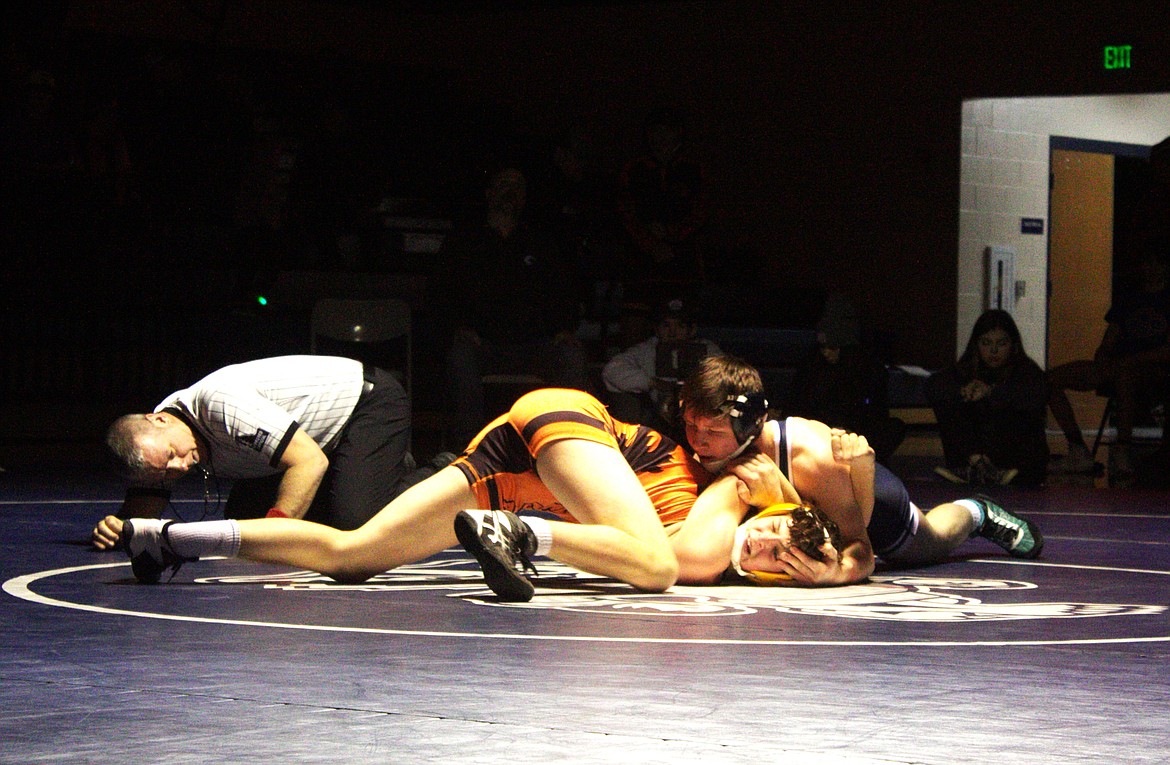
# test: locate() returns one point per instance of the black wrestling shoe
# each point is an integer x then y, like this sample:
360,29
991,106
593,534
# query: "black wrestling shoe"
146,542
1019,536
502,544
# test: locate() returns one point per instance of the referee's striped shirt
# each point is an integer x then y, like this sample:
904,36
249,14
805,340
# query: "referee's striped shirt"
249,412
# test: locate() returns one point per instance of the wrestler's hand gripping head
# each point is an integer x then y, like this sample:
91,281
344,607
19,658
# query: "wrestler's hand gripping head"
760,540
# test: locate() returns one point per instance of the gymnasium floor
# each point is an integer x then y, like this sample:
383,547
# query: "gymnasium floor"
984,659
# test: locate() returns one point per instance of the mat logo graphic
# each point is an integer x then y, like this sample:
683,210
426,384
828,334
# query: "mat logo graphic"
906,598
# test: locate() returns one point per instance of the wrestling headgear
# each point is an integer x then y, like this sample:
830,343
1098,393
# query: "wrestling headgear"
760,577
746,413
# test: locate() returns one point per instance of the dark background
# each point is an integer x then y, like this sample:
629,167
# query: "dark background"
830,133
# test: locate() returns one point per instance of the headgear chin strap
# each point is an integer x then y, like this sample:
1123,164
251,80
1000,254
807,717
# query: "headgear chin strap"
764,578
716,466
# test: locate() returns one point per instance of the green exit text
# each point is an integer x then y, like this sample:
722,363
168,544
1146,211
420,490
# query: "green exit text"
1118,56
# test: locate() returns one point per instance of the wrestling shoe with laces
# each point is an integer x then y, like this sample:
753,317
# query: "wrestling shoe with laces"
147,543
1019,536
502,544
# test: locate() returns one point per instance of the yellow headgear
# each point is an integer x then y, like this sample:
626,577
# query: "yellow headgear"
769,577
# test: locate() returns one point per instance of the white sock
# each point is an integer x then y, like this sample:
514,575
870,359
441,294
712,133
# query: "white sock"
200,540
543,531
977,511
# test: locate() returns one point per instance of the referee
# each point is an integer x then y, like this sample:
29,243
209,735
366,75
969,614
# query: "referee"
316,437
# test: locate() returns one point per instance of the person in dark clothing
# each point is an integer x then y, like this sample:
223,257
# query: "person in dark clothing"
844,384
990,407
1131,362
501,294
663,203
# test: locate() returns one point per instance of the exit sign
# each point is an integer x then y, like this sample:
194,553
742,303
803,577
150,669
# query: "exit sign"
1118,56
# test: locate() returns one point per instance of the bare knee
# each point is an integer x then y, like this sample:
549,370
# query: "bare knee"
342,560
658,575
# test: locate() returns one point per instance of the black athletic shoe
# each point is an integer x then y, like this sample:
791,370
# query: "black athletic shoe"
146,542
501,543
1019,536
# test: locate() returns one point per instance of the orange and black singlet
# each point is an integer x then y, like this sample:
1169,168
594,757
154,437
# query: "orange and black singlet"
500,462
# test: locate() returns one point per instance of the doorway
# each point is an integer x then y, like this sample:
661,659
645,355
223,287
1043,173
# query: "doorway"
1094,187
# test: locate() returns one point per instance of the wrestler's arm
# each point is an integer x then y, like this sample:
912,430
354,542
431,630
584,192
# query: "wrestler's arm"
762,481
835,474
702,543
854,452
847,497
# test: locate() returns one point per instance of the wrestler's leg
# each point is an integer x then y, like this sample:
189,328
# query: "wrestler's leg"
417,524
903,534
940,531
619,534
944,528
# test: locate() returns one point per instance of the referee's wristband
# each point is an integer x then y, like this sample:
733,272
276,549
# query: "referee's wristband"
276,512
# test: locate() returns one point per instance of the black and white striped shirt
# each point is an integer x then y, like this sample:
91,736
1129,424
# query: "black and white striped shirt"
249,412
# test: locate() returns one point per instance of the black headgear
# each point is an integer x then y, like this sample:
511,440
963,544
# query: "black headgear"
747,412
